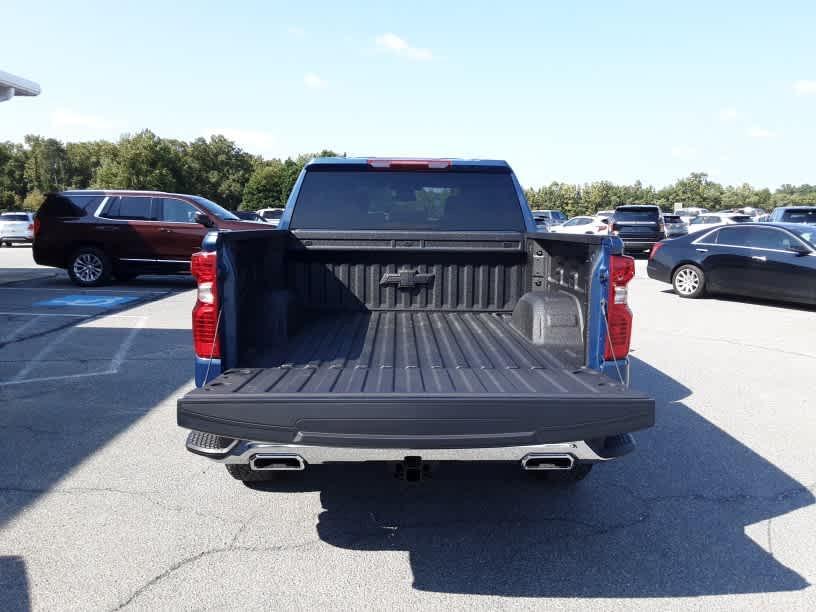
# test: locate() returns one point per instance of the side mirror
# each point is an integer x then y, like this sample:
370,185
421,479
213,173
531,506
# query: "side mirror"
800,250
203,219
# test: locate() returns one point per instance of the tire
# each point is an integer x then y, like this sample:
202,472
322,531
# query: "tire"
89,267
245,474
689,281
576,474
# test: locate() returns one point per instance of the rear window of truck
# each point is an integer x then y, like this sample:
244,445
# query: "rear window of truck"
799,216
407,200
637,214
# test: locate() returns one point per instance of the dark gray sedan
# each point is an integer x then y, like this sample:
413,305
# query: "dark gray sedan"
774,261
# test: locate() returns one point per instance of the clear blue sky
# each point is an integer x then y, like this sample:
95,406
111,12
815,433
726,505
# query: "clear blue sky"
562,90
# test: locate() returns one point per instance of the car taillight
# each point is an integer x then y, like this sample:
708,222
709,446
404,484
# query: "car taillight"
615,229
35,226
205,311
618,315
655,248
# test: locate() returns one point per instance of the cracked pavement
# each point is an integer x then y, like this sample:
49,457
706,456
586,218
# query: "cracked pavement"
102,508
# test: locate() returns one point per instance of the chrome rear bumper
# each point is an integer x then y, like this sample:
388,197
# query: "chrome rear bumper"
226,450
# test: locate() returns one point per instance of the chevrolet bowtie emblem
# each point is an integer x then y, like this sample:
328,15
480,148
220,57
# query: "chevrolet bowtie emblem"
406,279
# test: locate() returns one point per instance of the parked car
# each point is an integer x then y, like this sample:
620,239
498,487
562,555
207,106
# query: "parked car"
554,217
271,215
675,226
638,225
16,227
249,215
794,214
774,261
542,221
583,225
687,214
703,222
96,235
604,214
391,319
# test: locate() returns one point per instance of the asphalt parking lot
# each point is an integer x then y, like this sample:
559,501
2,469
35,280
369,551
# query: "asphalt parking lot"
102,508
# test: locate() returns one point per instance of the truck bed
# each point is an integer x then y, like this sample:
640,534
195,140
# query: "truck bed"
414,379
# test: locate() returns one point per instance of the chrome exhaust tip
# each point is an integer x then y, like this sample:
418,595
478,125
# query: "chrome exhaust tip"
278,462
547,461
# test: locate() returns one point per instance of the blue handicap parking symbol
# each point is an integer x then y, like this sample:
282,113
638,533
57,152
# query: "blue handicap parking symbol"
94,301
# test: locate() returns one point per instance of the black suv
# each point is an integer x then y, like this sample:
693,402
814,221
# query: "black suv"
639,226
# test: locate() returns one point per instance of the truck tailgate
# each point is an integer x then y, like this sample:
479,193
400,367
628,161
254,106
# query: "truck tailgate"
408,379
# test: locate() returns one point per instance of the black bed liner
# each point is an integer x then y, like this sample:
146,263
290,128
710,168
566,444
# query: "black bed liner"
414,379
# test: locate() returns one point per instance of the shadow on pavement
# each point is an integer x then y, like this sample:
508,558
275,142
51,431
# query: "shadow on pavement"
69,386
667,521
14,585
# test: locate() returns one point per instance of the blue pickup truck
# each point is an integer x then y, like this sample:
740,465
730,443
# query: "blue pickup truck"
409,311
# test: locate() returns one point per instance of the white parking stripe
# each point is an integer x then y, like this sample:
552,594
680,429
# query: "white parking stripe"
78,290
43,352
119,357
19,331
42,314
113,367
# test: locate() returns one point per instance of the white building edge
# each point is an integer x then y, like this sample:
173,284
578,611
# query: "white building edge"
11,85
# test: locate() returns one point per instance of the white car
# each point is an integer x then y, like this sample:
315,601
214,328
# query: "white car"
16,227
687,214
271,215
582,225
703,222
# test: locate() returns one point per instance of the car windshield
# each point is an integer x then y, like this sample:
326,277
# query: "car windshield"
558,215
741,218
637,214
800,216
672,219
808,235
14,217
407,200
215,210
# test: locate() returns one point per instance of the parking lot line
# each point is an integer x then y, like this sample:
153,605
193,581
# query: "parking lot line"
75,289
17,332
34,361
23,313
113,366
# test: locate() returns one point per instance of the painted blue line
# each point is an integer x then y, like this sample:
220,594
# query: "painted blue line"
94,301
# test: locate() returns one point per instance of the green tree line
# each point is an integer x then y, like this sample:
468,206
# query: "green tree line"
218,169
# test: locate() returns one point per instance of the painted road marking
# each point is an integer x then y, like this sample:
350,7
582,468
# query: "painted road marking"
97,301
18,332
146,291
113,367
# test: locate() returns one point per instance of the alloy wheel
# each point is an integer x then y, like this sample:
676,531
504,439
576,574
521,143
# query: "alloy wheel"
687,281
88,267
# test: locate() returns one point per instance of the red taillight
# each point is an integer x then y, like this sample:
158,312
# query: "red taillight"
655,248
36,226
409,163
618,315
205,311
